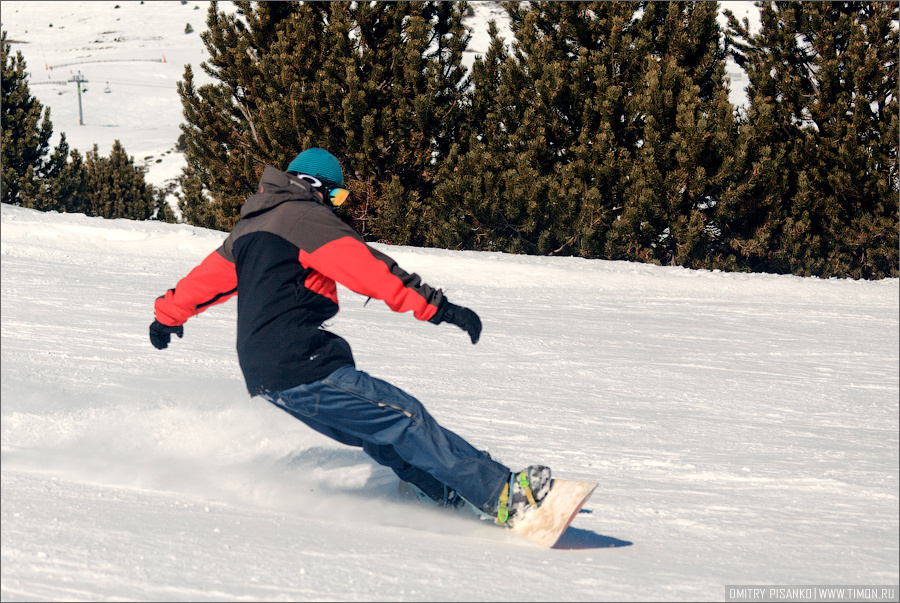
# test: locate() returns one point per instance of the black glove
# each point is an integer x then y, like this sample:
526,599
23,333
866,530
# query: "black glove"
460,316
160,334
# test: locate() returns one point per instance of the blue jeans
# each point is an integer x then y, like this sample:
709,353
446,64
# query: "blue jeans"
394,429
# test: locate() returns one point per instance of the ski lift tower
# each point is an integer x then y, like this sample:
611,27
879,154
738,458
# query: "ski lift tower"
79,79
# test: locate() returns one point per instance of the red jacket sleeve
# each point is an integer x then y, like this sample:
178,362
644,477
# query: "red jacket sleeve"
212,282
369,272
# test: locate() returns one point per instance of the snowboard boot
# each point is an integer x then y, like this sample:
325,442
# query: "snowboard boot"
524,492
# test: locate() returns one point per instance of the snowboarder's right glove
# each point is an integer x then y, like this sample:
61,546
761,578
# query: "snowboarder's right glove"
460,316
160,334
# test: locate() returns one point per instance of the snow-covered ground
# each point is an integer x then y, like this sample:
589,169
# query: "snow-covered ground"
743,428
131,54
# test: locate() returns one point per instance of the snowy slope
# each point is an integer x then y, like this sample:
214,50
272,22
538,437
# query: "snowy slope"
119,47
744,430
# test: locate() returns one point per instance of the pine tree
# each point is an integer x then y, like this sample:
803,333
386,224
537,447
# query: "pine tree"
115,187
26,128
572,66
687,129
751,209
466,202
401,110
377,84
267,65
162,211
851,144
549,132
817,192
606,133
62,187
196,205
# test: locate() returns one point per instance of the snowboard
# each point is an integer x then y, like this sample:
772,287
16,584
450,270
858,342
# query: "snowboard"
546,524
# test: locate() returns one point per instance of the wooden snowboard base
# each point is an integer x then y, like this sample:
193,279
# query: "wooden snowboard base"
547,523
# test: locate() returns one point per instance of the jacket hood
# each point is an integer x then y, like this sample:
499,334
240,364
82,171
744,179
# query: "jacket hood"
276,187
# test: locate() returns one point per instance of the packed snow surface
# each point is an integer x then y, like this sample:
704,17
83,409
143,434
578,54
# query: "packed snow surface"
743,429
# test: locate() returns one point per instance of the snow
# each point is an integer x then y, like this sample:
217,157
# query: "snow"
743,428
122,46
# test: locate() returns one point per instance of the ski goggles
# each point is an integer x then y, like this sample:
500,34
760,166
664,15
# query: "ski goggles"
338,195
332,191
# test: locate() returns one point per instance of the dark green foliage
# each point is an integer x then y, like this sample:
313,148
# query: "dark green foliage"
401,113
26,129
109,187
549,133
687,130
195,205
377,84
817,192
606,134
162,211
264,111
63,186
115,187
465,207
605,131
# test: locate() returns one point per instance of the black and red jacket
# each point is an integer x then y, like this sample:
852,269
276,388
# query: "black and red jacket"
282,260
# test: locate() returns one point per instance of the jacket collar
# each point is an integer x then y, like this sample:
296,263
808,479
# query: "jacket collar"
275,188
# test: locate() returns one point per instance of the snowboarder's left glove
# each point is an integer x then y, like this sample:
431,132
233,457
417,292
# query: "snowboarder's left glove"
160,334
460,316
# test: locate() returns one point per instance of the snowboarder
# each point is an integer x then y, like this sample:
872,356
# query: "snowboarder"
282,260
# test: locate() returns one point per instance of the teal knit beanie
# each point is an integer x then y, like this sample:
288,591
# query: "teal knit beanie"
319,163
